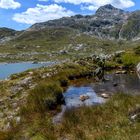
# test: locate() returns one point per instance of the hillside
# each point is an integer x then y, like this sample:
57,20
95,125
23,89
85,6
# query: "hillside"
6,34
73,37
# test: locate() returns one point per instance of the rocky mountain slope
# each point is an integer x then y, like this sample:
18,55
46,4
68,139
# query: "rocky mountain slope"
6,34
107,23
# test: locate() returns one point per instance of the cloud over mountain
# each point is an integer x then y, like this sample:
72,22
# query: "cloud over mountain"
94,4
42,13
45,12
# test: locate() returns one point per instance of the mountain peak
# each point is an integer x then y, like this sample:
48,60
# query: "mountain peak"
108,6
108,9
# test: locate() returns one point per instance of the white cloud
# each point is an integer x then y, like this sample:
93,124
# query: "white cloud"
94,4
42,13
9,4
123,3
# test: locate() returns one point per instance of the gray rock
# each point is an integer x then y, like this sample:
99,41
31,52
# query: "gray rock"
138,70
135,114
15,89
18,119
25,81
14,105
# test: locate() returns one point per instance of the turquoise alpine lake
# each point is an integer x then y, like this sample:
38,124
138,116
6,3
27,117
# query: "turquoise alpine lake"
7,69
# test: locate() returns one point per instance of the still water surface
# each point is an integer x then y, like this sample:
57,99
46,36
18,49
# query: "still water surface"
6,69
125,83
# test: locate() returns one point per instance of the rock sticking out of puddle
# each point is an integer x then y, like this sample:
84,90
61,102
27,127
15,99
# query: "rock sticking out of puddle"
74,98
83,97
104,95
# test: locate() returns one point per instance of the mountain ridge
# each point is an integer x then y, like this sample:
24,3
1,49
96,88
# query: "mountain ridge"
107,23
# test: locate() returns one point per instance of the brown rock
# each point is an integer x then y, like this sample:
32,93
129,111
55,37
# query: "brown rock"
84,97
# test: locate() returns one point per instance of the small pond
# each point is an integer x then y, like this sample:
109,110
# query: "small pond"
125,83
6,69
72,100
72,96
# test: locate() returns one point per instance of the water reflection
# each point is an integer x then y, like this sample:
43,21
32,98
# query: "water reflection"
72,97
127,83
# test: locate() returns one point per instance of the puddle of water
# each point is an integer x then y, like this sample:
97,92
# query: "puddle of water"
72,97
6,69
72,100
126,83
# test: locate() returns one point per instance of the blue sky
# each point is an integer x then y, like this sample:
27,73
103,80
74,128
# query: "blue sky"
21,14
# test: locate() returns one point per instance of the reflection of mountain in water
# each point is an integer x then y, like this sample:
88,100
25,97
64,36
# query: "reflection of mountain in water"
128,83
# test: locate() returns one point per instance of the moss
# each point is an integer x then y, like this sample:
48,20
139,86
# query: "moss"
38,137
